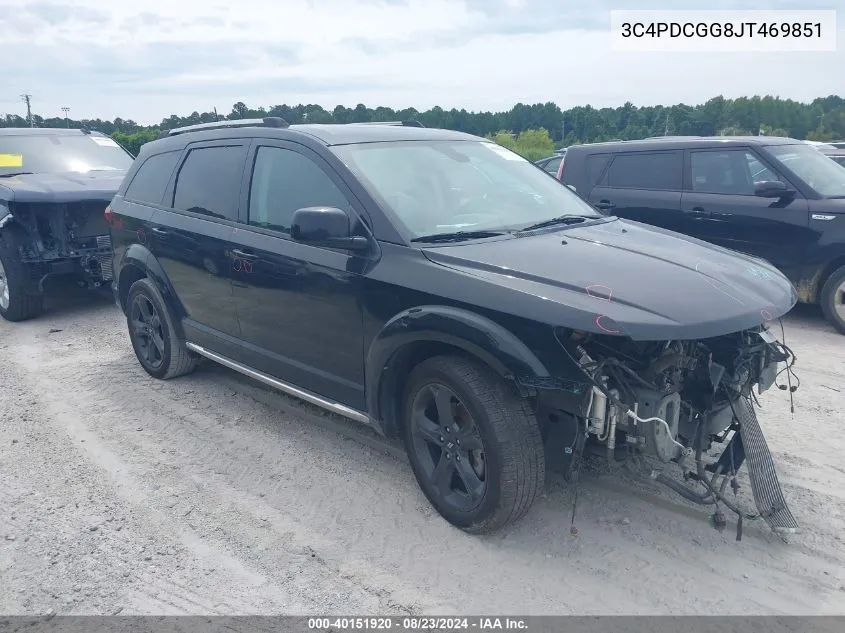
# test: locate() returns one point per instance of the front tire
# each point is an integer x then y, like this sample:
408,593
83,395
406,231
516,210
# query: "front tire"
17,302
832,299
474,446
157,346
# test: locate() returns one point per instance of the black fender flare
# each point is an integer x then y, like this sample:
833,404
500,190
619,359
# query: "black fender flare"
138,257
488,341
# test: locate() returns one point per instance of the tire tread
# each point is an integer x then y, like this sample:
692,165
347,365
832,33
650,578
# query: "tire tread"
22,305
826,298
517,436
182,361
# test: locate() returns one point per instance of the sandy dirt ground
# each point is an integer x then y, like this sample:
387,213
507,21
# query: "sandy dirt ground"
211,494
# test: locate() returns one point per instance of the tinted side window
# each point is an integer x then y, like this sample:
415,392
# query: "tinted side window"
284,181
151,179
654,170
729,172
209,181
595,167
553,165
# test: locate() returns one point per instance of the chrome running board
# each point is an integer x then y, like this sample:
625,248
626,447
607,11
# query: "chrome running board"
291,390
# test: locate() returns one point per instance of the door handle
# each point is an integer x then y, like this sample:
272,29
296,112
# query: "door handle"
244,255
160,232
698,211
604,204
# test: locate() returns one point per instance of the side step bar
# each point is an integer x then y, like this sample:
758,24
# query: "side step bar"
275,383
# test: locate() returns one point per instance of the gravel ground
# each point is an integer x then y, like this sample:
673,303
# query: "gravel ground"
210,494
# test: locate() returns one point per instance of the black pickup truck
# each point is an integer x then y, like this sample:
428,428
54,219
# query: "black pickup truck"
54,187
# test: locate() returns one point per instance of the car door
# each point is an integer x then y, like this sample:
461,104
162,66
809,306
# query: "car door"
191,238
298,304
642,186
719,198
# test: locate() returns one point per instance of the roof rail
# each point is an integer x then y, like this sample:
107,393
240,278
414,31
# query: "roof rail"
268,121
402,123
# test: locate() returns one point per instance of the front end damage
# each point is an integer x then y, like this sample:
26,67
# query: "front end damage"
65,239
673,401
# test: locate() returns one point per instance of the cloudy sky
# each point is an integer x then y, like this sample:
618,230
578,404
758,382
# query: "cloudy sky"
147,59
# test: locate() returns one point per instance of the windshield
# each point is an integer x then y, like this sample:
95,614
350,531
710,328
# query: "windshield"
57,153
823,175
448,186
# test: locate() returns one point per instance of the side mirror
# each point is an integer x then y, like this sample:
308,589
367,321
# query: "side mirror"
326,226
772,189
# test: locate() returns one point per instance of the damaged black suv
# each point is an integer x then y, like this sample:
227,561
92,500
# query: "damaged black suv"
438,287
54,185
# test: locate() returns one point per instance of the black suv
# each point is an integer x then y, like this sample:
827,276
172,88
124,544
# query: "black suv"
54,185
775,198
437,286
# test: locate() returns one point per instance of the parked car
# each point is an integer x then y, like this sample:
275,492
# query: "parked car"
438,287
778,199
836,154
551,164
54,186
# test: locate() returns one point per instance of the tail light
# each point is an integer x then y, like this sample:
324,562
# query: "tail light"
560,169
111,219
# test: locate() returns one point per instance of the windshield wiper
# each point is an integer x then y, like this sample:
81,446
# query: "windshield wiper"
563,219
16,173
456,236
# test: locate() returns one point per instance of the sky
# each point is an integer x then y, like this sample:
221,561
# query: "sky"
147,59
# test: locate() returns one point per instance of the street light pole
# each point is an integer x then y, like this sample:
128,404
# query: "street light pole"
66,109
26,99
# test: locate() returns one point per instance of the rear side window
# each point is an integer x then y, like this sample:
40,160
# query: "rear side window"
151,179
209,181
284,181
553,165
653,170
595,167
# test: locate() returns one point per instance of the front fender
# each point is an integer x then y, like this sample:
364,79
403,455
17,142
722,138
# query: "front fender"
137,261
477,335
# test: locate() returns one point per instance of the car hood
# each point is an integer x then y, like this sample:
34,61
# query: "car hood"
64,187
625,278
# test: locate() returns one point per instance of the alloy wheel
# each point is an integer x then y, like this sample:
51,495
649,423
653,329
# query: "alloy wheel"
148,330
839,301
448,447
4,288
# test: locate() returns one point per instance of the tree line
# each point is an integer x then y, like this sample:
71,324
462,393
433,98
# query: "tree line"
532,129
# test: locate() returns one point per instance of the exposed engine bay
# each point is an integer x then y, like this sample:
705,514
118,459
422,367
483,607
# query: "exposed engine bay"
66,238
672,401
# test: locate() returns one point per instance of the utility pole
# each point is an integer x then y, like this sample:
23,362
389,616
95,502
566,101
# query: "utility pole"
66,109
216,116
26,98
666,129
563,130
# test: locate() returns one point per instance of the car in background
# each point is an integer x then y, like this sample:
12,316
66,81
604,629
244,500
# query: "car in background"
777,199
836,154
55,184
551,164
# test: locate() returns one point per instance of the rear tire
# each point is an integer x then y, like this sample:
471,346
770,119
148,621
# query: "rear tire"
832,299
474,446
17,302
157,346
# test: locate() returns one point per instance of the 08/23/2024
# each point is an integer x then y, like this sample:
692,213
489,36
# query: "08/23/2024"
415,623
